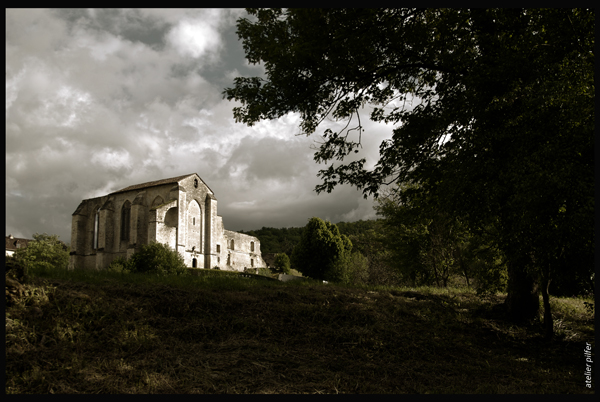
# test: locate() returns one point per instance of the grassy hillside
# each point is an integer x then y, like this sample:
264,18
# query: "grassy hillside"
110,333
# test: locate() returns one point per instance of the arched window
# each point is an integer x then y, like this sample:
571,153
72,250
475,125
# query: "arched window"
96,228
194,263
125,218
232,244
251,246
194,226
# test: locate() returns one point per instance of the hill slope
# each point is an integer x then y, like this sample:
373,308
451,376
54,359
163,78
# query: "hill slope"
109,335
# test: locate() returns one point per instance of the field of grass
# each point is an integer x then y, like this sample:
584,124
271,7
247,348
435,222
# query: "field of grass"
103,332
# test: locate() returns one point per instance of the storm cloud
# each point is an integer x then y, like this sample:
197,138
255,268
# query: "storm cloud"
97,100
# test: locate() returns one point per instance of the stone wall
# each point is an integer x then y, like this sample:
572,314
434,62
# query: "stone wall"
181,214
243,251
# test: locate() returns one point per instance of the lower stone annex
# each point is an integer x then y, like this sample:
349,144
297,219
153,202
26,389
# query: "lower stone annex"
180,212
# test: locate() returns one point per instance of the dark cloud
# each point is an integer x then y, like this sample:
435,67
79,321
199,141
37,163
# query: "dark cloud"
130,24
97,100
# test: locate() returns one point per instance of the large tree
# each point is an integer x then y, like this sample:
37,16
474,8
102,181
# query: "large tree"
493,114
322,253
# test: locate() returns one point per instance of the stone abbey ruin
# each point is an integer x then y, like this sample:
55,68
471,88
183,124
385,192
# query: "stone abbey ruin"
180,212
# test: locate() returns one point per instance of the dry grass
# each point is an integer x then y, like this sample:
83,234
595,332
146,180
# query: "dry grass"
75,333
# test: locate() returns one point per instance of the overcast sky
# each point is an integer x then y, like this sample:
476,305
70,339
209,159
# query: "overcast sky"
97,100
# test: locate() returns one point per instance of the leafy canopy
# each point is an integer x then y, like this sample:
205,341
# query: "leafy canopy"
322,252
465,69
492,113
45,251
157,258
282,263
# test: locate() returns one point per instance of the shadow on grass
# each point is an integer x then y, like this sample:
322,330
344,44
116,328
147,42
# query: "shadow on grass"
101,332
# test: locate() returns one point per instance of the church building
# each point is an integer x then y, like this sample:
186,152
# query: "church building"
180,212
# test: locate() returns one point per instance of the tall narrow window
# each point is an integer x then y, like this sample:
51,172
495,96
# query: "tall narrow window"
251,246
218,248
96,227
125,218
232,244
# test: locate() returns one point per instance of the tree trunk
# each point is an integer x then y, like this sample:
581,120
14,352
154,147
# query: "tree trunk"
458,255
548,322
522,301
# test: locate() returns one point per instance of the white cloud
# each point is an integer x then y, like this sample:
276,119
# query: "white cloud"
66,107
112,159
12,88
99,100
198,37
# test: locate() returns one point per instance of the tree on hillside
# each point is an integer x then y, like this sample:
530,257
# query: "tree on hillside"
369,242
322,252
282,263
493,115
45,251
428,246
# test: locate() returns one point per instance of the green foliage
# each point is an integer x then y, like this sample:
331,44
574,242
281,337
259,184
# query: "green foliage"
493,115
44,252
355,270
263,272
366,237
322,251
273,241
282,263
157,258
119,264
427,246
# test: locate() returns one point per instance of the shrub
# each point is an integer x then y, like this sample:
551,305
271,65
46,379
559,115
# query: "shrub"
358,267
119,264
264,272
157,258
15,268
44,252
282,263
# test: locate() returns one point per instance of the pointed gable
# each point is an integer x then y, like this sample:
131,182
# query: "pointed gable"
173,180
153,183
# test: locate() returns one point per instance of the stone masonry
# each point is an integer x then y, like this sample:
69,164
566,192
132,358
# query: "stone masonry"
180,212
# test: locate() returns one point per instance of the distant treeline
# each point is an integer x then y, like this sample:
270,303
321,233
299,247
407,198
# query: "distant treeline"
283,240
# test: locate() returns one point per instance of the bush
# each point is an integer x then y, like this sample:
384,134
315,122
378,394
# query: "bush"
44,252
264,272
358,267
282,263
157,258
119,264
15,268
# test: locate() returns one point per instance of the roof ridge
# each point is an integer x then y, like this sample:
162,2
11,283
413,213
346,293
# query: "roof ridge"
153,183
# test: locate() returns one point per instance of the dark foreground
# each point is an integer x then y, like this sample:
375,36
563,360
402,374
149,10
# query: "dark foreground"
112,336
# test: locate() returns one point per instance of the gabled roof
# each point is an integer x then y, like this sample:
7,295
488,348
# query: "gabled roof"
157,183
15,243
